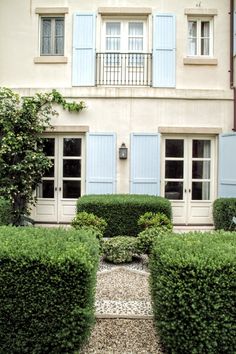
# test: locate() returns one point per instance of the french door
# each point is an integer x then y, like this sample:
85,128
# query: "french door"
63,183
188,177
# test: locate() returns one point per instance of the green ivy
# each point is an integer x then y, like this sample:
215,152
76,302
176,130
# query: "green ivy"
23,120
69,106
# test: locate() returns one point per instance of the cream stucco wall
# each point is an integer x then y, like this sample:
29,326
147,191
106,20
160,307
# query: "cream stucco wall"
202,97
19,42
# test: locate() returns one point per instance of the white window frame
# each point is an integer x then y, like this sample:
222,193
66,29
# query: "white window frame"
53,35
124,36
199,20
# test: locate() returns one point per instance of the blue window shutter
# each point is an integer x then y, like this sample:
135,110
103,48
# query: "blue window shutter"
145,164
84,56
101,163
227,165
164,50
234,33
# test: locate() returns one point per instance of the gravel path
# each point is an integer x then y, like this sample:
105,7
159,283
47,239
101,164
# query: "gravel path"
124,322
122,284
122,336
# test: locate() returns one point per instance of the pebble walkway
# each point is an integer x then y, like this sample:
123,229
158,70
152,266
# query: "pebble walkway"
124,315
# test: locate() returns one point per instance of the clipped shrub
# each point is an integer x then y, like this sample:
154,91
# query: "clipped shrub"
47,282
224,209
5,212
147,238
120,249
122,211
150,219
88,219
193,292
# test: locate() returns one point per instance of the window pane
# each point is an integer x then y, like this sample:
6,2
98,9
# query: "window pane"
192,28
46,189
205,46
59,30
50,171
201,169
71,168
49,146
174,169
46,36
174,190
205,29
201,148
135,28
46,45
71,189
192,46
59,36
174,148
113,28
136,44
112,43
201,191
72,147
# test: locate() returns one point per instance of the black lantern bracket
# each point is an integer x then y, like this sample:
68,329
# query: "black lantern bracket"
123,152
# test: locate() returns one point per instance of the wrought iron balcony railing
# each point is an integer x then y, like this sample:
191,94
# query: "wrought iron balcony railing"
124,69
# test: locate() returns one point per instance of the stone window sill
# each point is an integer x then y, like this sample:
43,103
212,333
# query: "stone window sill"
200,61
48,59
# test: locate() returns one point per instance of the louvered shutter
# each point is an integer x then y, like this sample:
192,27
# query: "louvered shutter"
145,164
101,163
227,165
164,50
84,56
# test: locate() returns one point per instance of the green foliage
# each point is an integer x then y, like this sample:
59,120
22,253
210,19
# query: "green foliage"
193,292
147,238
47,282
223,211
122,212
23,162
5,212
120,249
150,219
89,219
69,106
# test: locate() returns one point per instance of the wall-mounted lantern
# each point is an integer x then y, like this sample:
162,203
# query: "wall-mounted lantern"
123,152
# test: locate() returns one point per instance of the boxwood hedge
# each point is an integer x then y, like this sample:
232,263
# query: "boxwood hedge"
223,211
47,286
122,211
5,212
193,292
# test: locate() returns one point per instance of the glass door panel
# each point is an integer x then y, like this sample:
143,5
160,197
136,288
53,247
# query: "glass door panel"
71,168
46,189
174,169
201,169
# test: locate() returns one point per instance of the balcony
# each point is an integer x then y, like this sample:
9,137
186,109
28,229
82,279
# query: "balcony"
124,69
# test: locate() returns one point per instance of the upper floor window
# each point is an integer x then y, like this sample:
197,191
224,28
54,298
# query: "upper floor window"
200,37
124,36
52,36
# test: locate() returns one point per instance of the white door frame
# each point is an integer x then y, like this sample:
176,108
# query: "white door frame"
187,211
59,209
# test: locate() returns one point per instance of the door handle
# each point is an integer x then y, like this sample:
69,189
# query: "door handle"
189,190
59,189
185,191
55,188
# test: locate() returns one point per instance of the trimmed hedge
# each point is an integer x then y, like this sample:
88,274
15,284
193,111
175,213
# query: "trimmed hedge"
47,282
5,212
193,292
122,211
120,249
223,211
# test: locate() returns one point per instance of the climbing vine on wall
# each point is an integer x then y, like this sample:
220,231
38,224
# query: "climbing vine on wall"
23,120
